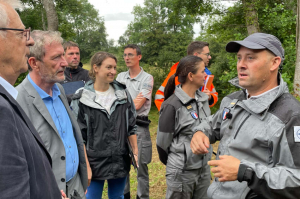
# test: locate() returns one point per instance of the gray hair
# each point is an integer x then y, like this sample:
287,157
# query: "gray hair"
42,38
4,20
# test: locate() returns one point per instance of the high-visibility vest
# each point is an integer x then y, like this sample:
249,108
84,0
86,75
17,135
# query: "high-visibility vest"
160,97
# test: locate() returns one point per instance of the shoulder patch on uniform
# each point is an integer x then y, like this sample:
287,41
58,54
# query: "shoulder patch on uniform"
297,133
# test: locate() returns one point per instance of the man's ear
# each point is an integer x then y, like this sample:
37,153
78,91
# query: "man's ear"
32,62
275,63
140,57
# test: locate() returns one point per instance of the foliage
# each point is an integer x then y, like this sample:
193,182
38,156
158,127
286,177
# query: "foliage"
162,36
79,21
274,18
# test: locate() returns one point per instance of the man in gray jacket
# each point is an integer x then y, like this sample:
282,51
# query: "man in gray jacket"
45,103
258,128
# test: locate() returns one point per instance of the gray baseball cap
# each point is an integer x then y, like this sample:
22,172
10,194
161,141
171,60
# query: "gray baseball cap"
258,41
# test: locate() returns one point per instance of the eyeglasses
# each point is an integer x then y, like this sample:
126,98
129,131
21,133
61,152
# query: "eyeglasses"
27,31
207,54
129,55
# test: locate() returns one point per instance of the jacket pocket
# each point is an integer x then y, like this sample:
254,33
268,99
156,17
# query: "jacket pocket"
146,152
174,190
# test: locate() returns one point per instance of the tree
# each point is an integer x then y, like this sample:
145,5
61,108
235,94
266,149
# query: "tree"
274,17
251,16
162,35
297,68
52,18
78,20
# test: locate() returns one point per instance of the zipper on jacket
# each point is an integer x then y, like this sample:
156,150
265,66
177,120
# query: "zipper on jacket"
86,117
92,133
184,158
241,126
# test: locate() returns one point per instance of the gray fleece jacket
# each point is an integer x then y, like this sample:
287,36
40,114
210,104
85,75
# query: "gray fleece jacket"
263,132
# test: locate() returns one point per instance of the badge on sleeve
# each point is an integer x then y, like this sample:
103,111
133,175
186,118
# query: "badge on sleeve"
297,133
194,115
225,112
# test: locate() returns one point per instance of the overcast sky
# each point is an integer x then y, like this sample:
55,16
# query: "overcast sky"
117,15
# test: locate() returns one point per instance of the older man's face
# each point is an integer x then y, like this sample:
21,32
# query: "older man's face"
53,65
14,49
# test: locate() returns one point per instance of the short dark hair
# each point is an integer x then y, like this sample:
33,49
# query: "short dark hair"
196,46
69,44
134,46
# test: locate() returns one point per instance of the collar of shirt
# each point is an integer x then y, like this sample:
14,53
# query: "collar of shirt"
9,88
207,71
261,95
42,93
138,77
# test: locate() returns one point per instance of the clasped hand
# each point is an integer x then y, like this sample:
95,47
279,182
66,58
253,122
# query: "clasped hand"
226,168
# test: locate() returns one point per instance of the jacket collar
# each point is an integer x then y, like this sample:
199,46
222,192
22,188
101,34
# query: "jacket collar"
88,95
185,99
260,105
138,77
77,70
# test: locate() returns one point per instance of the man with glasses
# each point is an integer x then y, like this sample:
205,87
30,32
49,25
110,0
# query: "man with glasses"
199,49
25,164
139,84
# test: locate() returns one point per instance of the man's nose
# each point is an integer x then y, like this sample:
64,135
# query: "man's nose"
30,42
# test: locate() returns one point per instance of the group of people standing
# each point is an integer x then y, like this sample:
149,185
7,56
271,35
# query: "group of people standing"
55,145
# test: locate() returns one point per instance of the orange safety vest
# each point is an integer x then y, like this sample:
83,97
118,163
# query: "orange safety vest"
160,97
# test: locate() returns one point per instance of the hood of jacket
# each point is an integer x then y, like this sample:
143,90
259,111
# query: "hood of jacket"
89,96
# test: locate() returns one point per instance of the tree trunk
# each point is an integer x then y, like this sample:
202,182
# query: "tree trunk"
251,16
297,69
52,18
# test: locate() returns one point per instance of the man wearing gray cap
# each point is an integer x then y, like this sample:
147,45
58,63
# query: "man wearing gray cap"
258,128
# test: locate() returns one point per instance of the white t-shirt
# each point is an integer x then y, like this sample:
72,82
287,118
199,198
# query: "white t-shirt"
106,98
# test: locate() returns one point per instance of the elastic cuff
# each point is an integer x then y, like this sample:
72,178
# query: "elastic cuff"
245,173
241,172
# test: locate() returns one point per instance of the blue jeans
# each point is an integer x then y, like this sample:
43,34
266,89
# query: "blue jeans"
115,189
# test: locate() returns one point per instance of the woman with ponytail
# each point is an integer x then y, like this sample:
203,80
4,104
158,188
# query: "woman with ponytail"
187,174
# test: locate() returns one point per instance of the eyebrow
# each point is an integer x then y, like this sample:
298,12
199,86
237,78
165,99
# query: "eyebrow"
246,54
57,55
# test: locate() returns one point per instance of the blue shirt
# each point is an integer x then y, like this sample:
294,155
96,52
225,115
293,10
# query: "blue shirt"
63,125
9,88
208,73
